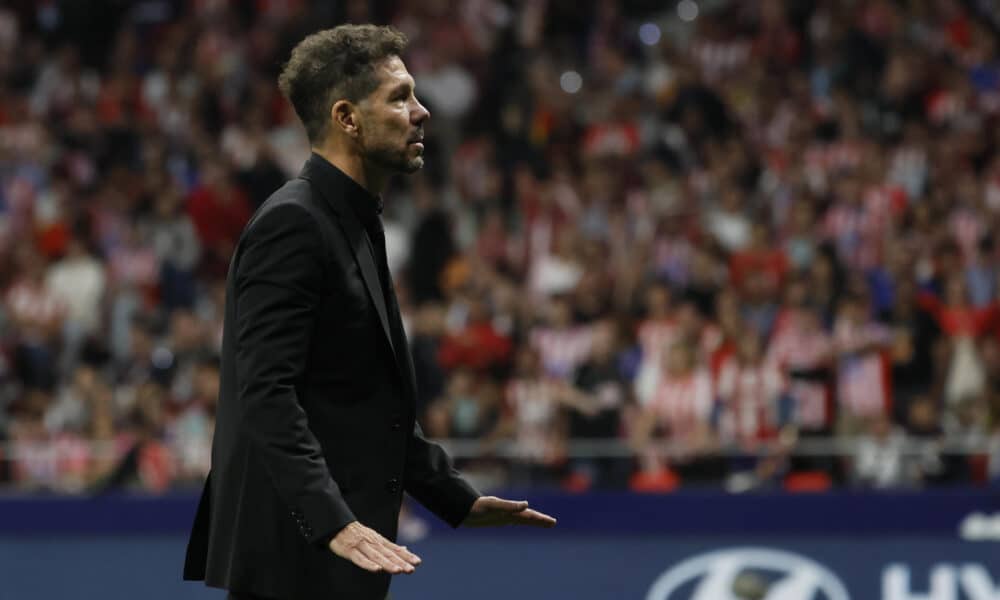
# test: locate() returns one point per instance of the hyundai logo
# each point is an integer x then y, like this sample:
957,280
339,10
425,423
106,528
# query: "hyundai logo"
747,574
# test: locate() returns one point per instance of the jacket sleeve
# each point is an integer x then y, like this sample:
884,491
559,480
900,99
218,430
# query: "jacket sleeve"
434,482
278,285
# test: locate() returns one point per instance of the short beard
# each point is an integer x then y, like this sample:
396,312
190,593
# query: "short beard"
391,159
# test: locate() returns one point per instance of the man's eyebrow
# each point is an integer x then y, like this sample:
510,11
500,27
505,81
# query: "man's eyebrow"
406,85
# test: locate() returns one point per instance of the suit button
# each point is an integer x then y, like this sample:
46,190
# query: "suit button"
397,425
392,485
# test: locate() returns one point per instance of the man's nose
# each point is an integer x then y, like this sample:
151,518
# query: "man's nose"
420,113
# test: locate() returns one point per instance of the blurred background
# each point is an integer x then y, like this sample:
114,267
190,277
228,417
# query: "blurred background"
724,269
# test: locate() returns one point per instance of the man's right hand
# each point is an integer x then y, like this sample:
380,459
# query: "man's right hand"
367,548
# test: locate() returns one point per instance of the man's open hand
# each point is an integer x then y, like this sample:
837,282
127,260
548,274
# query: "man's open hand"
490,511
366,548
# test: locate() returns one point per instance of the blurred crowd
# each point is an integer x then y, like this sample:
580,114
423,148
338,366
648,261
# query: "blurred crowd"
749,244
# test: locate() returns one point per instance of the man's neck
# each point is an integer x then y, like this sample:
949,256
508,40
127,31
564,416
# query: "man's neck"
355,167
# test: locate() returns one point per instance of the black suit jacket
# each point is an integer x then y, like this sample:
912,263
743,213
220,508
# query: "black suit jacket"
315,425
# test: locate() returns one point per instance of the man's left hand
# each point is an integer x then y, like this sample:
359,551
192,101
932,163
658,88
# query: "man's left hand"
490,511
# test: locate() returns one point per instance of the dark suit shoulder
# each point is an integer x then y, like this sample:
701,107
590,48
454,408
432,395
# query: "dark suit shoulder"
295,190
288,207
295,193
284,235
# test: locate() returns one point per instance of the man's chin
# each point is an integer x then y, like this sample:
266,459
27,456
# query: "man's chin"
414,165
399,164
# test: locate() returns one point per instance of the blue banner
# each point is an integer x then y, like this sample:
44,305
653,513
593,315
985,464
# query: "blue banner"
606,567
942,545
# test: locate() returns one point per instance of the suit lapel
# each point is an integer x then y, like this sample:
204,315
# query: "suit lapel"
404,358
330,188
362,248
364,254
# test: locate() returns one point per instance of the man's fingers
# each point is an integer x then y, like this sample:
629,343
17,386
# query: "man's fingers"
397,564
385,557
402,552
411,556
358,557
534,518
366,548
369,552
398,551
509,505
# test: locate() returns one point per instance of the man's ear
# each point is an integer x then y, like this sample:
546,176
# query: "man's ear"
345,117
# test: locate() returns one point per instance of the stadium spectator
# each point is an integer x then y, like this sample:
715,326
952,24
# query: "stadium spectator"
597,400
77,280
861,384
680,410
748,390
469,409
532,419
477,345
803,352
562,345
219,209
177,248
36,316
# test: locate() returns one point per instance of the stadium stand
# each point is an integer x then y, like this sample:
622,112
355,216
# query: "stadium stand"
744,244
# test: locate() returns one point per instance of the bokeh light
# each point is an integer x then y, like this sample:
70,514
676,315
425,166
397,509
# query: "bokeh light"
649,34
687,10
571,82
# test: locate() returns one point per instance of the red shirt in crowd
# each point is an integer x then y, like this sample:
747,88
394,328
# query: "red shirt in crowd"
219,214
960,320
771,262
479,346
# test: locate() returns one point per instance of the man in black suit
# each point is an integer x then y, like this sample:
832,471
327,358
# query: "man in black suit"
316,438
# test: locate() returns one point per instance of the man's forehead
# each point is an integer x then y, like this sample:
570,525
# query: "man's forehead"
392,72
